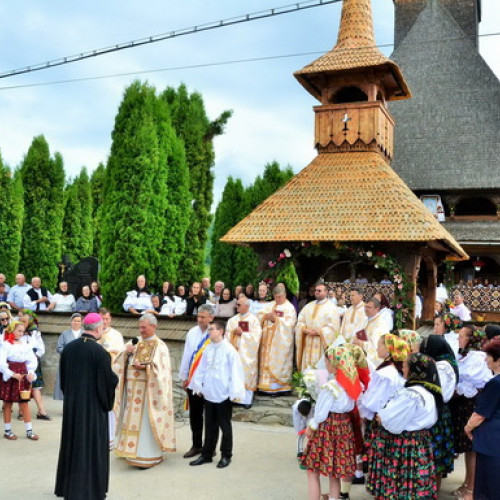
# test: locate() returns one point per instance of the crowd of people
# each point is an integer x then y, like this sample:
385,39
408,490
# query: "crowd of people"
378,399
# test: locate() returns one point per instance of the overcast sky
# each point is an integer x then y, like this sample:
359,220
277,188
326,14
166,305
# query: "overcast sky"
273,118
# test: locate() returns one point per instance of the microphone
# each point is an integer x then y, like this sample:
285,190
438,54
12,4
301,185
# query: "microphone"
135,341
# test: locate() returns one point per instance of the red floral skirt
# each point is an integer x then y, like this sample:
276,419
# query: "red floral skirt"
9,391
330,451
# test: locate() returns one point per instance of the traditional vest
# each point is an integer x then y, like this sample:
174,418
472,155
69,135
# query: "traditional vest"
34,296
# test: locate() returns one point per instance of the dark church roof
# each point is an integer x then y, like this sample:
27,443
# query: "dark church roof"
448,135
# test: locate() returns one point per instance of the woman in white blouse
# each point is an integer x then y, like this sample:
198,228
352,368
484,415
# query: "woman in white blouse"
438,349
330,448
406,470
385,381
473,376
17,366
63,299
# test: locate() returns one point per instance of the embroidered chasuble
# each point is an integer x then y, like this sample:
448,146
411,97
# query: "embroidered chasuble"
353,321
112,341
276,348
324,317
144,404
374,329
247,345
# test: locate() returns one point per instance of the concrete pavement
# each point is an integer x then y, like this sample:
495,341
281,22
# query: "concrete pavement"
264,467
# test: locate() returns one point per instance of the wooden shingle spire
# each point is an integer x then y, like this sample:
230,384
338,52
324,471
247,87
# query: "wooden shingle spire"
355,54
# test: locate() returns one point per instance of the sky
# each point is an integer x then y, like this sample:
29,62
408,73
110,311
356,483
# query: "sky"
272,113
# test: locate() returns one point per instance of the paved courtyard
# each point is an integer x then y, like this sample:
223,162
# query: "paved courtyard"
264,467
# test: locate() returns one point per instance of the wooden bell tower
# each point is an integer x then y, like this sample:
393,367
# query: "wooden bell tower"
353,82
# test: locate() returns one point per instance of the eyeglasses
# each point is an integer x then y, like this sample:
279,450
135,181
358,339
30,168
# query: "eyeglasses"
4,319
237,305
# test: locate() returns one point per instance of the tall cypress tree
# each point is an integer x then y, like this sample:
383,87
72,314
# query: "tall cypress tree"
178,211
193,126
246,261
77,231
135,197
96,189
228,213
43,183
11,220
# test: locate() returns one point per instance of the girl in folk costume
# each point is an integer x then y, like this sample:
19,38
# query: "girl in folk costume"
386,380
437,348
33,338
412,338
473,376
406,470
447,325
17,366
330,449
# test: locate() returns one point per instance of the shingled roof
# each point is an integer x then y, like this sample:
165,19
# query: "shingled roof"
355,49
448,135
343,197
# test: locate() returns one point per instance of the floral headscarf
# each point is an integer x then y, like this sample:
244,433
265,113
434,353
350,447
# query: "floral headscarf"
411,337
398,348
8,335
451,322
423,371
32,321
437,348
346,360
477,340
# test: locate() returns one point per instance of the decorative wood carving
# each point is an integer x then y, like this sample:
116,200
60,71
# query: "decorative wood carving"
368,123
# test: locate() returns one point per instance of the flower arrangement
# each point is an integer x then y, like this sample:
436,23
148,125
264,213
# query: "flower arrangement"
402,304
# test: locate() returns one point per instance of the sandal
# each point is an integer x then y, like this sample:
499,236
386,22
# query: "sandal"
9,435
467,495
459,491
31,435
42,416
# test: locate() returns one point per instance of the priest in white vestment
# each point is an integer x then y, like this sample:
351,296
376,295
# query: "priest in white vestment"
354,318
244,332
317,327
144,399
276,349
376,326
112,341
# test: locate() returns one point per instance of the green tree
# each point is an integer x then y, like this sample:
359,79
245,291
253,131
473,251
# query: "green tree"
178,210
11,220
77,233
227,214
193,126
43,183
135,197
273,178
96,188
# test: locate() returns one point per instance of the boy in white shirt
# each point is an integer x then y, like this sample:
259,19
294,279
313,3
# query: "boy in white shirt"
221,380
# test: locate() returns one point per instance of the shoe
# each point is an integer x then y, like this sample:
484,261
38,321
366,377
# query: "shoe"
201,460
42,416
459,491
358,480
10,436
223,462
247,407
344,496
20,417
31,435
192,452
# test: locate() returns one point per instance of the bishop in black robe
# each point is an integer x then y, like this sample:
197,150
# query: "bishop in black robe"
88,384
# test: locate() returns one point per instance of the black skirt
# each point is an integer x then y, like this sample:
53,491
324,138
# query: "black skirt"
487,479
461,409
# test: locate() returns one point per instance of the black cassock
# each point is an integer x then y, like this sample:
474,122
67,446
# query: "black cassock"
88,384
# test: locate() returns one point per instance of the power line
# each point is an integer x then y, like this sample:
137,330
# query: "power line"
213,64
254,16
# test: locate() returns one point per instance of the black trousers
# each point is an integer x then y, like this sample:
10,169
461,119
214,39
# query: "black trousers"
196,404
218,415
